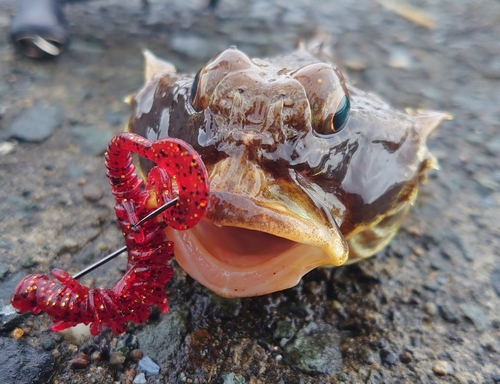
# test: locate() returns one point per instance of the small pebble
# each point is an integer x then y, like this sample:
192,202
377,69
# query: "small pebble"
140,379
342,377
80,362
17,333
430,308
92,192
96,356
442,368
368,356
448,314
136,354
48,344
388,357
400,58
337,306
116,359
6,147
149,366
382,343
406,357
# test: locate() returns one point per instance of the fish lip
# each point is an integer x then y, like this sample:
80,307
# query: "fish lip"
237,278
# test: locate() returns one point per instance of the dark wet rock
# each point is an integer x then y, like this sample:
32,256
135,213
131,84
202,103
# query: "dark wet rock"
232,378
284,330
90,139
10,320
316,349
163,339
388,357
298,309
448,313
495,378
224,308
495,280
92,192
24,364
149,366
37,123
476,315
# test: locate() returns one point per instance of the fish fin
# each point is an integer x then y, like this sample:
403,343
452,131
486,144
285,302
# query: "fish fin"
155,66
427,121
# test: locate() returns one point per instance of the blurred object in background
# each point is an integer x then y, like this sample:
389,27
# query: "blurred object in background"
39,30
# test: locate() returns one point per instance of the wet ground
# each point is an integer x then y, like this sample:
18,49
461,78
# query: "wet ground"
424,310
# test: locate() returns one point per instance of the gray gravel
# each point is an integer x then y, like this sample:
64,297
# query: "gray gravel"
426,309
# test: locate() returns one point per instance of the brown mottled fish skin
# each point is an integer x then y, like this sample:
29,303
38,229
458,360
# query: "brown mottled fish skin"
277,164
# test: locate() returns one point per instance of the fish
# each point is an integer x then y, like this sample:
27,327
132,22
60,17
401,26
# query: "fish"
305,169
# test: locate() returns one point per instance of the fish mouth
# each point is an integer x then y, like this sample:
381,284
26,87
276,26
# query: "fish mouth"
245,248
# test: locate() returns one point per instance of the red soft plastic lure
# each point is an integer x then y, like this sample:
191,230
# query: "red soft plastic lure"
179,171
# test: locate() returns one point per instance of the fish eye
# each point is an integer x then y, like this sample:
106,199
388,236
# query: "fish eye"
194,87
341,114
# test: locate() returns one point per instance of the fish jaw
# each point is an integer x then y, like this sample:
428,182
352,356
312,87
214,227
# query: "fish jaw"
243,249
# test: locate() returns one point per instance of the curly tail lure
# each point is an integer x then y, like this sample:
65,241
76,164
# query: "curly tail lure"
180,172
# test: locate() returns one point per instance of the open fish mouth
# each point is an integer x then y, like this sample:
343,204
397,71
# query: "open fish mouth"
243,248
